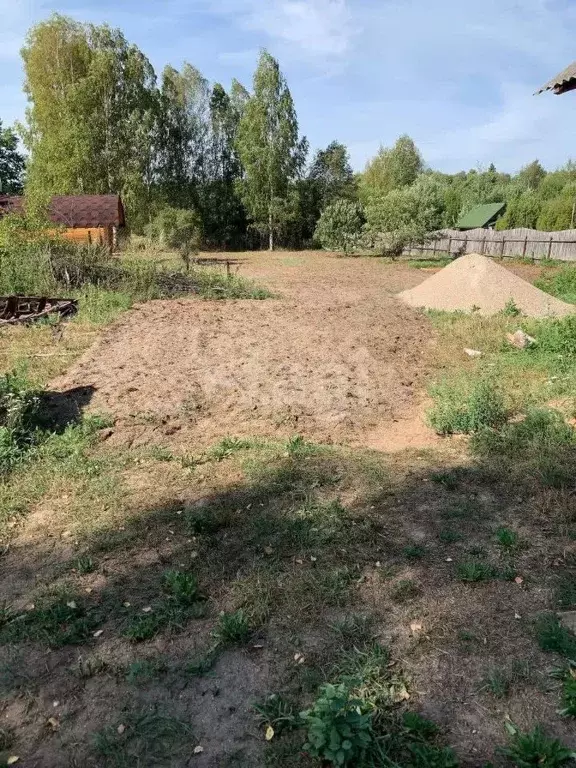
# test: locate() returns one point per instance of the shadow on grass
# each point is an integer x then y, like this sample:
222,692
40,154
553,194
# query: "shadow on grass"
271,564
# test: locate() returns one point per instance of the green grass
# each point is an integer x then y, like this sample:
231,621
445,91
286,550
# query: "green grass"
404,590
565,592
561,283
458,409
554,636
473,571
233,628
145,738
508,539
63,621
414,552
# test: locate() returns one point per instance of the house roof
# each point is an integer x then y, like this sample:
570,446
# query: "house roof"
76,210
565,81
480,216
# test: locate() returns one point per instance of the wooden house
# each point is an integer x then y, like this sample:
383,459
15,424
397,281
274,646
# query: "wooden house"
86,218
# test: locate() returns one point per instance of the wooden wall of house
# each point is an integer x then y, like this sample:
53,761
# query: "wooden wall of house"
96,235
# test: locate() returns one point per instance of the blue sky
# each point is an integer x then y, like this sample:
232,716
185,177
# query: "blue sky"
457,75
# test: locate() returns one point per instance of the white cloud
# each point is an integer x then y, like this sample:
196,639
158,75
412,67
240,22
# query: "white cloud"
309,28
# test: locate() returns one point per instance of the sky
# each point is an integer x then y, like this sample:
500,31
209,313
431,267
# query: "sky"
458,76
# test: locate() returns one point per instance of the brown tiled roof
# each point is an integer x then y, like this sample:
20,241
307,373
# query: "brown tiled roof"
76,210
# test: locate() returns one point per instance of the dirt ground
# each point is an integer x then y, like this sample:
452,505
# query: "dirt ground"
303,538
335,358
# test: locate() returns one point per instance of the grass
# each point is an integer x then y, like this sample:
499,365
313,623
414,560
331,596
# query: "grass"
553,636
149,737
473,571
463,412
508,539
63,621
233,628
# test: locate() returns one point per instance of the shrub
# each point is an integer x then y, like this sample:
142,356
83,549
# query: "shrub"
339,728
177,228
457,411
339,226
558,336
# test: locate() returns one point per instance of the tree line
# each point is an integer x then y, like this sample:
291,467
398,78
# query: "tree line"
230,164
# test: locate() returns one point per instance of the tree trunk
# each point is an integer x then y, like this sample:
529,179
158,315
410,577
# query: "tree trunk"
270,232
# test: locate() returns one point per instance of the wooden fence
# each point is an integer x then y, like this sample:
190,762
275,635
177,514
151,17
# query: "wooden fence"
522,243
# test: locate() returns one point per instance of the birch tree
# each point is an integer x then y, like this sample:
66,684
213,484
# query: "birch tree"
268,146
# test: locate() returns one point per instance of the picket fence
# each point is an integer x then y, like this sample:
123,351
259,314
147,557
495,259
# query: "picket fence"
515,243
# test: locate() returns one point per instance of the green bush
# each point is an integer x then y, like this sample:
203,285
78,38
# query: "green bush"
457,410
339,727
19,418
558,336
339,226
177,228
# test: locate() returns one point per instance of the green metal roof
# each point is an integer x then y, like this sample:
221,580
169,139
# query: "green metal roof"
480,216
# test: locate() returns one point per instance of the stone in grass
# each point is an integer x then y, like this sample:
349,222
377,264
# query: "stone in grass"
520,339
472,352
568,619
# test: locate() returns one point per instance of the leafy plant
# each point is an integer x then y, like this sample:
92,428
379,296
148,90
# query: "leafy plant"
510,309
277,713
456,410
84,564
233,628
177,228
181,587
535,748
338,726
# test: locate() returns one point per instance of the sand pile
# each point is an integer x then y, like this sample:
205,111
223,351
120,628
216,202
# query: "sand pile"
475,281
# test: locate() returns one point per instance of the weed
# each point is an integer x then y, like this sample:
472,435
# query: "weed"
448,479
84,565
497,682
62,622
459,411
182,587
277,713
554,636
233,628
535,748
511,309
144,627
87,667
565,592
7,737
466,509
203,663
414,552
474,571
449,536
146,738
354,628
160,453
143,671
339,728
227,447
404,590
507,538
416,725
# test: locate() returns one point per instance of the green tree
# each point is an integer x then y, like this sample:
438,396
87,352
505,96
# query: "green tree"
557,214
11,162
222,210
521,211
184,135
406,215
339,226
331,174
531,175
392,168
91,115
269,148
177,228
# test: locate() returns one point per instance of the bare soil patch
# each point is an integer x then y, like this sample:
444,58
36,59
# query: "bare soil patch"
335,357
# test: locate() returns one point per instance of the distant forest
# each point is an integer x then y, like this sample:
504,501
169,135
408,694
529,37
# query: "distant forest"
99,120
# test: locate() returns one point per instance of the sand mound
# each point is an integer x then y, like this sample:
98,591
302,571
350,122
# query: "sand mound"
475,281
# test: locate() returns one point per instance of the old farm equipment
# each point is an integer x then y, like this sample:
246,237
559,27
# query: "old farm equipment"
27,309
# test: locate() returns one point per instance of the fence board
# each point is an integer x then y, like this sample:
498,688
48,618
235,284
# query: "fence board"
521,242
